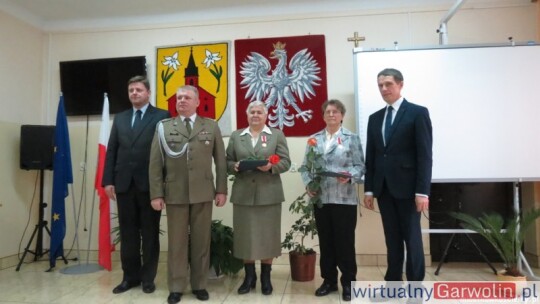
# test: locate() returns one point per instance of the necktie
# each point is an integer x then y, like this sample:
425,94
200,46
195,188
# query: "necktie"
137,120
188,125
388,125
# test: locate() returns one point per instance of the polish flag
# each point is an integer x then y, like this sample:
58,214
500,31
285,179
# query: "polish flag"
105,242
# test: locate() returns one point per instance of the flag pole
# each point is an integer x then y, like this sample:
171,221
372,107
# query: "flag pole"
91,225
76,225
81,268
87,267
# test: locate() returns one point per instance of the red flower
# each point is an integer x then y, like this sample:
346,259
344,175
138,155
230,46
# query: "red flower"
274,159
312,142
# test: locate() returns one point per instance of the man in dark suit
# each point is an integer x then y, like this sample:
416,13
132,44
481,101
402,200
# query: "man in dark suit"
125,179
398,164
182,179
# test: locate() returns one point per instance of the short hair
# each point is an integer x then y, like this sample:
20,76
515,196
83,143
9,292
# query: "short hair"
188,87
396,74
334,102
141,79
257,103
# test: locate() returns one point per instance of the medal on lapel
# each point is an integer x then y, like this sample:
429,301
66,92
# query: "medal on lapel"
263,139
339,143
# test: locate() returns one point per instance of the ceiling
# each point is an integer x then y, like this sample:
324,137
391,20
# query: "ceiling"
66,15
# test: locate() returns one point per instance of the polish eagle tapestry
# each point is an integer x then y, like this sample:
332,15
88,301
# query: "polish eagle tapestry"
289,75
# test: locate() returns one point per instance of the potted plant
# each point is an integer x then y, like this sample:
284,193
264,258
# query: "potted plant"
507,241
222,259
301,258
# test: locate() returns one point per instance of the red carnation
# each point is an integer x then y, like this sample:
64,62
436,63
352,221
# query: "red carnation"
274,159
312,142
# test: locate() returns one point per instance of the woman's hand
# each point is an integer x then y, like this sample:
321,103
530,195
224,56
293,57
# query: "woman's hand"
236,166
266,167
310,193
344,180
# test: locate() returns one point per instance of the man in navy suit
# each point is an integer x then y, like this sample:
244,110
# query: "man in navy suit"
398,164
125,179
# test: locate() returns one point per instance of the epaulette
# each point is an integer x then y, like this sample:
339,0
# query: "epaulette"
167,119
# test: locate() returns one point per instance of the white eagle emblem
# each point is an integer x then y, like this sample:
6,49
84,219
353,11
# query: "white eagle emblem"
281,89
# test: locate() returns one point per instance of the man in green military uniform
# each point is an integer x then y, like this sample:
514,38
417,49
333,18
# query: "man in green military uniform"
181,178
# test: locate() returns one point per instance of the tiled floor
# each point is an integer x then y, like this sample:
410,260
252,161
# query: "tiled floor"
33,285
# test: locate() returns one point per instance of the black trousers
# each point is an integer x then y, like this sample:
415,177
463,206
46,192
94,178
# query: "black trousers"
139,232
401,223
336,226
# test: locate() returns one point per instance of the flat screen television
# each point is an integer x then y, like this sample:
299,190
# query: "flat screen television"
84,82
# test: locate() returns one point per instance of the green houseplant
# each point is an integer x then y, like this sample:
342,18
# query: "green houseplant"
302,258
303,227
221,250
508,240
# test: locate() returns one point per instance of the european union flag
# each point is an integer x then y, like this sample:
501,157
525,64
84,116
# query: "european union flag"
62,176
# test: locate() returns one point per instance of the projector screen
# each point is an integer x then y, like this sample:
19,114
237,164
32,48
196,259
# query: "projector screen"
484,104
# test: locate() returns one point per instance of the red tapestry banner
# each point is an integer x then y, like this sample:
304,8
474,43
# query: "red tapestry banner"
289,75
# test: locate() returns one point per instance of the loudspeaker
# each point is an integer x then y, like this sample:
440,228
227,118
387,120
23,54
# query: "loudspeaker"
37,147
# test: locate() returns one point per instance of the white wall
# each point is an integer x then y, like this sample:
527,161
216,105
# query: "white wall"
381,29
21,100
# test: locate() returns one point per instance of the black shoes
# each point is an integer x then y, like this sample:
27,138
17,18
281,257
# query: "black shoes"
325,289
201,294
125,286
346,294
174,297
148,287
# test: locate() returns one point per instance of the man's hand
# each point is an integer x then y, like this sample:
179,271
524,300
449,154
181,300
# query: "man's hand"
422,203
111,193
158,204
221,199
368,201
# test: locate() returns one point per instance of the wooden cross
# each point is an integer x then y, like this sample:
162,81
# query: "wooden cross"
356,39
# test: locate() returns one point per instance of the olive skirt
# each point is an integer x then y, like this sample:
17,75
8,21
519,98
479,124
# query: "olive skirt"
257,231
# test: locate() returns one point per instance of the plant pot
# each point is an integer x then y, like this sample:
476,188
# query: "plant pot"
212,274
302,266
521,282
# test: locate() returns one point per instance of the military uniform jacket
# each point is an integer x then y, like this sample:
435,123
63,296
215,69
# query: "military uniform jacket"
188,179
